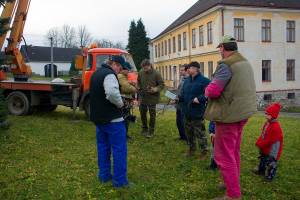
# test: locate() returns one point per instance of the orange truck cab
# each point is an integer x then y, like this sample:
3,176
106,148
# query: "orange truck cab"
92,60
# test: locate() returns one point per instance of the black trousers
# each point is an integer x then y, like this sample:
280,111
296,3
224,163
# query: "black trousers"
180,124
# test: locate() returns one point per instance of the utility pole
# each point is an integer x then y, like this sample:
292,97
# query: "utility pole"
52,68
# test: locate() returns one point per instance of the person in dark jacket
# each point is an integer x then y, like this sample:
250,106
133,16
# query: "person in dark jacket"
150,84
194,104
106,113
179,114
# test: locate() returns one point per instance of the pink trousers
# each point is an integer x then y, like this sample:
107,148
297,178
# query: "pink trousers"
227,155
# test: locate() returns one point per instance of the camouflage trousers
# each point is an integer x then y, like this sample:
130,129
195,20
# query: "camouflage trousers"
152,111
195,132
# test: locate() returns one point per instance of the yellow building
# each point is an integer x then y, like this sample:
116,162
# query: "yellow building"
268,35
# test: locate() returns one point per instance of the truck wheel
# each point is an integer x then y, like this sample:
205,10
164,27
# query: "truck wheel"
87,108
18,103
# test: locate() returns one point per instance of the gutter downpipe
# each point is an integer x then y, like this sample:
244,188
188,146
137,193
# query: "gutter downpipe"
222,15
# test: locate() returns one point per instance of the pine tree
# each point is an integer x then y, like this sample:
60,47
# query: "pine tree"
138,42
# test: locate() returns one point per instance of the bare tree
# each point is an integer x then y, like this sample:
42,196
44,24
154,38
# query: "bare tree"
105,43
68,36
83,36
55,34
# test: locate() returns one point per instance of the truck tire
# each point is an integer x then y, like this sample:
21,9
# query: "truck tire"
18,103
86,108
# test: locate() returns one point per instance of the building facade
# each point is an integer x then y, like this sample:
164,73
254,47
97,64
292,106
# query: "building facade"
268,35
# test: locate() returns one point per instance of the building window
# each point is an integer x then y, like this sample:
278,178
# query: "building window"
267,97
239,29
266,70
166,48
209,33
202,67
158,50
194,38
201,36
162,48
155,51
290,70
166,72
170,72
266,30
290,31
169,46
179,42
174,45
210,69
184,40
291,95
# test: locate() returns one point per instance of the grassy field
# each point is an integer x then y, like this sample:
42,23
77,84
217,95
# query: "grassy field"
51,156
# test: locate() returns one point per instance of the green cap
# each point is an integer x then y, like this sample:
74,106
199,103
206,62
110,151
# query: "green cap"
226,39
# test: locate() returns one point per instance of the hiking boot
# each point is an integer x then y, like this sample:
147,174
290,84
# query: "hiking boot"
128,137
150,134
144,131
221,186
204,155
190,153
257,172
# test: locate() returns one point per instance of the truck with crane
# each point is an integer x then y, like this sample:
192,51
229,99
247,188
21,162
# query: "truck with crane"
23,94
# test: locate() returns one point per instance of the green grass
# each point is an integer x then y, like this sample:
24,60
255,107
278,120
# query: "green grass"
51,156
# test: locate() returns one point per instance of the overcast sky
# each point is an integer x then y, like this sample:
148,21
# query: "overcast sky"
104,18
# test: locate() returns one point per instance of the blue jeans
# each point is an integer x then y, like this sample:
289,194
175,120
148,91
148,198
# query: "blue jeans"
180,124
112,137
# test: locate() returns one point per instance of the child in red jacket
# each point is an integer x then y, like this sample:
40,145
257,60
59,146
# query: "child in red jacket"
270,143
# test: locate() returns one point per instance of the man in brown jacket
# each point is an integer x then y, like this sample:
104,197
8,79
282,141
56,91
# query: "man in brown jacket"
150,84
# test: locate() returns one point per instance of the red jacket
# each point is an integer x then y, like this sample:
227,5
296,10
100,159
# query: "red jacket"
271,134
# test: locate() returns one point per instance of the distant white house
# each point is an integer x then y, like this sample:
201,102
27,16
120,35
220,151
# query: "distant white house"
38,56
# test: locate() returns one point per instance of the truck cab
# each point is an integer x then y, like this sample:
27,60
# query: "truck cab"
91,60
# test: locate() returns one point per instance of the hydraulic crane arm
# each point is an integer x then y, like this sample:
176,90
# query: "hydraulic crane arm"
17,10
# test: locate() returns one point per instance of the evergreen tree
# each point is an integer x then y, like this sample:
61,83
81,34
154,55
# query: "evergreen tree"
138,42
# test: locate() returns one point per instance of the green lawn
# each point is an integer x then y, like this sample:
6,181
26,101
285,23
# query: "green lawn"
51,156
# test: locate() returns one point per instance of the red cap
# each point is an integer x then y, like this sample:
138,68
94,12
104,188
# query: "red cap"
273,110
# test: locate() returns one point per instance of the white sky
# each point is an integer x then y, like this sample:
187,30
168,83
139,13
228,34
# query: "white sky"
104,18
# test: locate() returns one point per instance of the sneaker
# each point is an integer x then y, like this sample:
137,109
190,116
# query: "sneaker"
221,186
